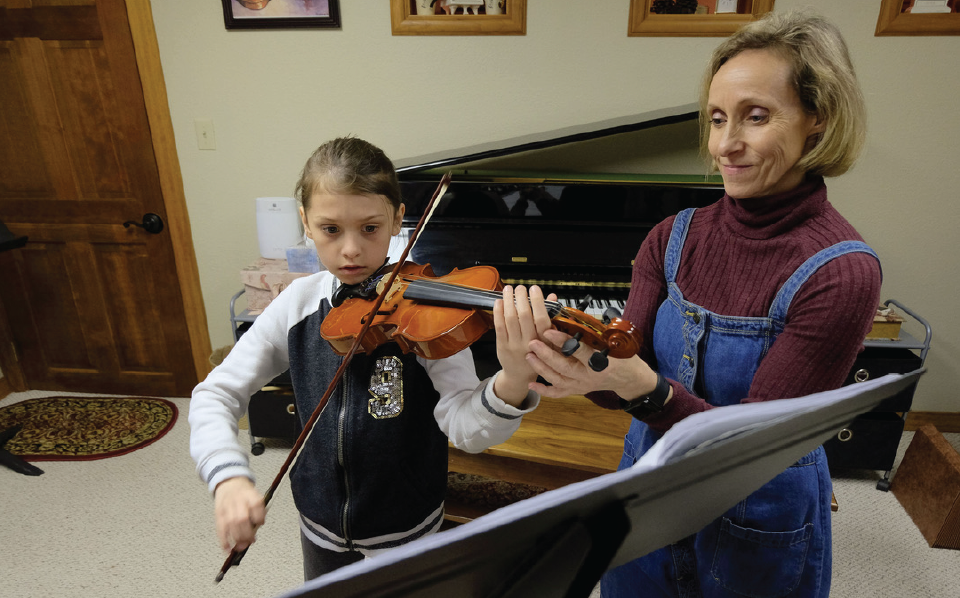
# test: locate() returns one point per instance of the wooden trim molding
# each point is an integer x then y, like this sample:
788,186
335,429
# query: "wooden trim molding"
643,23
144,36
944,421
512,22
893,22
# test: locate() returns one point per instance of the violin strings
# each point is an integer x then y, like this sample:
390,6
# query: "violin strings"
554,308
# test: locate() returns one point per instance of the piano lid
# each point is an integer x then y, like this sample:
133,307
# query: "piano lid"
439,162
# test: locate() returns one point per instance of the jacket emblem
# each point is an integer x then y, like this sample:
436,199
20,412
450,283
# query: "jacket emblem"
386,386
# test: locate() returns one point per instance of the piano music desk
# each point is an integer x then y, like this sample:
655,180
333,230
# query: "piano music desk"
563,441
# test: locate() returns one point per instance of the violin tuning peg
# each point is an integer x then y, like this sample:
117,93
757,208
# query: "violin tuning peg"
585,303
610,314
598,361
571,345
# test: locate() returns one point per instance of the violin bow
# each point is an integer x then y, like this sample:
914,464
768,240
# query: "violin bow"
235,556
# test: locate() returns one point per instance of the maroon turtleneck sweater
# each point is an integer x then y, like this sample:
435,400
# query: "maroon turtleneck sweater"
737,255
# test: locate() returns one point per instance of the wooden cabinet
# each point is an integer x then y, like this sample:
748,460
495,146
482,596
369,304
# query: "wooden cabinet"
871,440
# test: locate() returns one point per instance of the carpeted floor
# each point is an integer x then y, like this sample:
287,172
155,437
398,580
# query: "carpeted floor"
141,524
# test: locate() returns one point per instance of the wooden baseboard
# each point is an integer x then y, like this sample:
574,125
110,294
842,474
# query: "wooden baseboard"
944,421
5,387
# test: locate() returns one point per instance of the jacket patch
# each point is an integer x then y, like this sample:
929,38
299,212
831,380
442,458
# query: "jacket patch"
386,386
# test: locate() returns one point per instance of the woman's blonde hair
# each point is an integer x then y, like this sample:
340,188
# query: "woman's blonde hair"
348,166
823,78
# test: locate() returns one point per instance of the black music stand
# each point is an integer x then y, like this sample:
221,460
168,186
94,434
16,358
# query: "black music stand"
560,543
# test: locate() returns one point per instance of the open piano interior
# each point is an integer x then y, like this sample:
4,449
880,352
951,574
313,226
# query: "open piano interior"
566,210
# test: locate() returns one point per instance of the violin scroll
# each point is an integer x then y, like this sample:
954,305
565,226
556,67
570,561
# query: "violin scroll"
611,337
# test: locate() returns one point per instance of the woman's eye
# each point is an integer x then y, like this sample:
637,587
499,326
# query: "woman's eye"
757,117
330,230
717,120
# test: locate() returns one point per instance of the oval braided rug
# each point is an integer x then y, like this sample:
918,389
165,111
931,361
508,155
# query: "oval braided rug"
85,428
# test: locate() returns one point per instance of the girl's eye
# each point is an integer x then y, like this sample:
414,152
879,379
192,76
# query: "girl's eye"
330,230
370,228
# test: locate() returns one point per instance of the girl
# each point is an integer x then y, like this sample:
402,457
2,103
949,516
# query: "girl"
373,473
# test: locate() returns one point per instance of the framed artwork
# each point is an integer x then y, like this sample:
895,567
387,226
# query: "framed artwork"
918,17
696,18
458,17
281,14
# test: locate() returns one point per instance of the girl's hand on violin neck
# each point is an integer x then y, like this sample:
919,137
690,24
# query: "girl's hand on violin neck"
239,511
629,378
518,319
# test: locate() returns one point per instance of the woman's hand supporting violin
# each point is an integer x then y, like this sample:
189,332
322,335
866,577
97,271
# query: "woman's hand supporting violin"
629,378
518,320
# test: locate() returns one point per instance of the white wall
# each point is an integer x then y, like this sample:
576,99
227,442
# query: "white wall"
274,95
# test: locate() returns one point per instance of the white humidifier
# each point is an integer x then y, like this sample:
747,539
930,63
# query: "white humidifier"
278,226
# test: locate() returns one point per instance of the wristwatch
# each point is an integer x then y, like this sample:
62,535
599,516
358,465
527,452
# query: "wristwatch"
645,406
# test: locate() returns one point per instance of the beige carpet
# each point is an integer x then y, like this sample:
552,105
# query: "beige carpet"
141,525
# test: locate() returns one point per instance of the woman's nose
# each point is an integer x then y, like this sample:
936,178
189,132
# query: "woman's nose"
730,140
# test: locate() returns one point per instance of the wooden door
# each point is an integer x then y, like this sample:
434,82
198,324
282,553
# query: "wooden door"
92,305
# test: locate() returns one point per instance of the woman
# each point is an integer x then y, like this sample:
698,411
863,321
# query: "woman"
766,294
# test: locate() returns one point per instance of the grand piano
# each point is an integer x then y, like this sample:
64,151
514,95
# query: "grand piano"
566,210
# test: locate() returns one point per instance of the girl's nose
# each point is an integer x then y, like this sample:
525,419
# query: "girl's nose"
351,246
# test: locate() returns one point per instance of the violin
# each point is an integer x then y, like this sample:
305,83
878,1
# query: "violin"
438,316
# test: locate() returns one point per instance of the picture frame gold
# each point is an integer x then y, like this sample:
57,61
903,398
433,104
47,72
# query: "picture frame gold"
892,21
404,21
643,23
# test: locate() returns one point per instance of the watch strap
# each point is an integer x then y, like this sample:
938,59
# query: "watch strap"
649,404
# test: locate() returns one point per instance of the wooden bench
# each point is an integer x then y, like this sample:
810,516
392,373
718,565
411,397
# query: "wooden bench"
563,441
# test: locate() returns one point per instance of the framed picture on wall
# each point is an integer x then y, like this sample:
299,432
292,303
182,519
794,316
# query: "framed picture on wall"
281,14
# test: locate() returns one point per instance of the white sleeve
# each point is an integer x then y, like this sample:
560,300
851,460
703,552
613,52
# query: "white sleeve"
218,403
469,413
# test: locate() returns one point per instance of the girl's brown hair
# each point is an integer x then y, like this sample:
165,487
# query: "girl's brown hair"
348,166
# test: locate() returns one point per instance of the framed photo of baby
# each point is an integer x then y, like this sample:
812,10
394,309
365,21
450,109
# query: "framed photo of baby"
281,14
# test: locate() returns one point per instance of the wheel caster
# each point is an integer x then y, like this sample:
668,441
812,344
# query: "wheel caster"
257,448
883,485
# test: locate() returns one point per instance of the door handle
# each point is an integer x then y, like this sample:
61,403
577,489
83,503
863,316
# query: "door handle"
152,223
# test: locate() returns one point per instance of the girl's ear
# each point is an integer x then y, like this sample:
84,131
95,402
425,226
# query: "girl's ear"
303,219
398,221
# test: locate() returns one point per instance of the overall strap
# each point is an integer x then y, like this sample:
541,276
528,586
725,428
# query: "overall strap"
778,310
671,261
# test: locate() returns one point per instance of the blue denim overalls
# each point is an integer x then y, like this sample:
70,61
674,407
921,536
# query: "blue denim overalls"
777,542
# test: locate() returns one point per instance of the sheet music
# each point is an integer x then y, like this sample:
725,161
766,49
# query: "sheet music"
701,430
